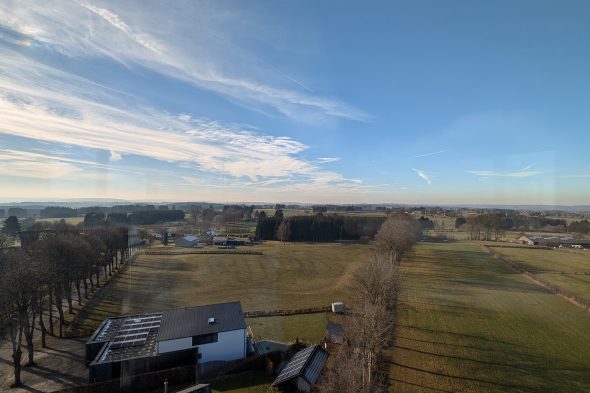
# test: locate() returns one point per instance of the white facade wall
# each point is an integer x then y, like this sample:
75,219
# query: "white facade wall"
229,346
175,345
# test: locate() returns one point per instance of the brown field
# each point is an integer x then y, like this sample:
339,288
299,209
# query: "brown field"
287,276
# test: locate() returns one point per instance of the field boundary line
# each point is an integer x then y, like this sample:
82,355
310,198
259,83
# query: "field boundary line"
570,297
519,246
298,311
207,252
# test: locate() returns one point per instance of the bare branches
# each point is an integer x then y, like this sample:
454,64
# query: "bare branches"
284,231
17,301
397,237
368,327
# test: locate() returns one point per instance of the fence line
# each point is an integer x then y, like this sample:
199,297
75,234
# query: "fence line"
204,252
298,311
569,296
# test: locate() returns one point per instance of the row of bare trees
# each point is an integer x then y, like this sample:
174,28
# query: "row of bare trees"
57,266
370,323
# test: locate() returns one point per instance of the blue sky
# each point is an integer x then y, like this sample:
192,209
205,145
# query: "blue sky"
396,101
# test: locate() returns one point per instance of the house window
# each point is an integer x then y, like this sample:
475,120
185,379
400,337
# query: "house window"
205,339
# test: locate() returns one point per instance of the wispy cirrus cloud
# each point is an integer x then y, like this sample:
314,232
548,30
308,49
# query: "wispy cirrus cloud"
423,175
324,160
429,154
60,108
115,156
202,47
525,172
21,163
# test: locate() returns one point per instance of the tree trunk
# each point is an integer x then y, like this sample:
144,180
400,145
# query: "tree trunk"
98,277
50,299
85,288
60,310
29,331
42,325
16,359
68,293
16,337
78,292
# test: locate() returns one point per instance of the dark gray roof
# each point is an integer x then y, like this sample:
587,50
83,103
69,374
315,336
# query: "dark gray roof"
307,363
194,321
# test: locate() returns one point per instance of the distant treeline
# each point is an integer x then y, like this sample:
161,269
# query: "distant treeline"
64,212
13,211
318,228
144,217
488,226
580,227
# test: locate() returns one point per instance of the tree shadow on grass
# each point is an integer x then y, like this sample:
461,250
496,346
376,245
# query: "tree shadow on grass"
56,375
512,387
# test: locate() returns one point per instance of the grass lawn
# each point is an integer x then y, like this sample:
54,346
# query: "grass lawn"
247,382
568,269
68,220
469,324
309,328
287,276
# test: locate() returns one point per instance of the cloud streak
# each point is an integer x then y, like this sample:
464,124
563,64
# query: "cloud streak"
325,160
429,154
423,175
525,172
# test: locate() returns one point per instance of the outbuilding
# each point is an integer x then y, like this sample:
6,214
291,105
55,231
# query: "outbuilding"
187,241
303,370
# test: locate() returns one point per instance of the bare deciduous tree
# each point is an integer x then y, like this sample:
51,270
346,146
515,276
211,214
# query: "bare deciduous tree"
368,326
17,303
397,236
284,231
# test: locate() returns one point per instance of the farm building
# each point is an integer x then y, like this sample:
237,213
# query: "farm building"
527,241
551,241
187,241
303,370
188,336
24,239
236,242
211,233
220,241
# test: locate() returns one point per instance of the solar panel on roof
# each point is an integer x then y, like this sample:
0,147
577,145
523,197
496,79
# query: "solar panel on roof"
295,366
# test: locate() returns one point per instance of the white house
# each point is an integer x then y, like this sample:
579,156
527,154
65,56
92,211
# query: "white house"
182,336
218,330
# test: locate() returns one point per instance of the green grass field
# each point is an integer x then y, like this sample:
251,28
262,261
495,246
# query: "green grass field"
469,324
287,276
568,269
69,220
309,328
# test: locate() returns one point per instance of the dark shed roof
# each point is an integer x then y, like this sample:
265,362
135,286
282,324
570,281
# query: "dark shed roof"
307,363
194,321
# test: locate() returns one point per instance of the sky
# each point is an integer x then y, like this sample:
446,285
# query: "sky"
419,102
